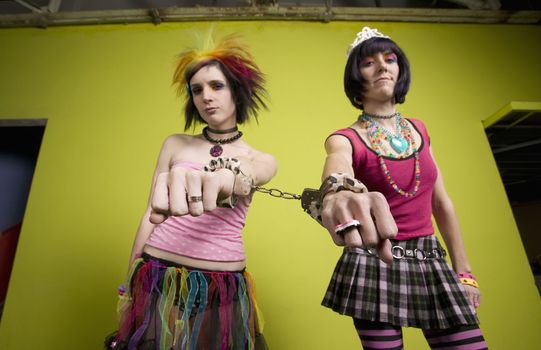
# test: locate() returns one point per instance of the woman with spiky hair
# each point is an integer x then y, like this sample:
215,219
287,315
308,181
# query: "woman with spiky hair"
381,188
187,287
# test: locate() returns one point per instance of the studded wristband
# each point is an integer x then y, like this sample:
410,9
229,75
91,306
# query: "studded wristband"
242,184
311,199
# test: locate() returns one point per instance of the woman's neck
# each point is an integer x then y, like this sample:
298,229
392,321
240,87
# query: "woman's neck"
379,108
222,131
382,110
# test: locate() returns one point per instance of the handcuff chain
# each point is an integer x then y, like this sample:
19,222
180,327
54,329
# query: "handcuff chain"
274,192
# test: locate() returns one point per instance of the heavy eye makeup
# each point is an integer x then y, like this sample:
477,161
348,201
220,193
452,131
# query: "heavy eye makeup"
367,61
214,85
195,89
217,84
390,57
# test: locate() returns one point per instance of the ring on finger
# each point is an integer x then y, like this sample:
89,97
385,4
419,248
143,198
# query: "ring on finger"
195,199
342,228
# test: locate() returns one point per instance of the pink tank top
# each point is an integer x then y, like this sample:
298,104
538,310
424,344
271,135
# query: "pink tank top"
215,235
413,215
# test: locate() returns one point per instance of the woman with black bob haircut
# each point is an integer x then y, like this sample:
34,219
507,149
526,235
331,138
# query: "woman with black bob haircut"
380,190
355,83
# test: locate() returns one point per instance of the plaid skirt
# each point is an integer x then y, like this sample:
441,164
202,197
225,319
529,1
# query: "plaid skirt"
171,307
410,292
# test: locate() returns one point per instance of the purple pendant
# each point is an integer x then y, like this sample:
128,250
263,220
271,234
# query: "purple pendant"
216,151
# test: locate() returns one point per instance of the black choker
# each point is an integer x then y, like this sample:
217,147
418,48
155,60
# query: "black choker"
226,131
377,116
217,149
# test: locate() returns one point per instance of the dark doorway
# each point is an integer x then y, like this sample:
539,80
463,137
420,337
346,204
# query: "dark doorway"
514,133
20,141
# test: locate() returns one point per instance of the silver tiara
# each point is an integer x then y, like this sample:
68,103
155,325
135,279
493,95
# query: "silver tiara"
363,35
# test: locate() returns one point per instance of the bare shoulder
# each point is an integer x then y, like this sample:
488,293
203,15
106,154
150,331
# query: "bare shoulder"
179,138
176,141
337,144
174,144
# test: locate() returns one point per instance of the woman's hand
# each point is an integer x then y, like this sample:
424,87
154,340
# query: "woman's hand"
474,295
371,210
184,191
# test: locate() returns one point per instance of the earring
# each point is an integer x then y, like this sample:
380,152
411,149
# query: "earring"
360,103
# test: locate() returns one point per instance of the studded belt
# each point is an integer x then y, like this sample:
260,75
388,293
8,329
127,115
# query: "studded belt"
418,254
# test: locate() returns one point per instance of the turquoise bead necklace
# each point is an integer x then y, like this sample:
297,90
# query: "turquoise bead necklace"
377,134
397,142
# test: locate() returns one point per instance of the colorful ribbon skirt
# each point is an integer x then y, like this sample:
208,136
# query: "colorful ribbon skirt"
170,307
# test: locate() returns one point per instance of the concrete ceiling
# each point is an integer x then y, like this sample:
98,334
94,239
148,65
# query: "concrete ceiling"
44,13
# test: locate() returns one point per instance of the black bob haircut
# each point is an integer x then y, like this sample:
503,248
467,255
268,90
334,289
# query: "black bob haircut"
354,82
248,96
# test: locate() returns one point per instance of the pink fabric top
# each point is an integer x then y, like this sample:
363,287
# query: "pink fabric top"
413,215
215,235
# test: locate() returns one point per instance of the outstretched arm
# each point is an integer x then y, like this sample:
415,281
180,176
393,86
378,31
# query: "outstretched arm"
370,209
182,191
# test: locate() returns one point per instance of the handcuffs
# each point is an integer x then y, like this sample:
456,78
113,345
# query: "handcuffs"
312,199
242,183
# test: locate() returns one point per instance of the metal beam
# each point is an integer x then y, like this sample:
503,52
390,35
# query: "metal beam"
520,120
54,6
479,4
517,146
269,13
29,6
156,17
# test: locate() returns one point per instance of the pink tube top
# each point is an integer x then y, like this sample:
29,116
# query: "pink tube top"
215,235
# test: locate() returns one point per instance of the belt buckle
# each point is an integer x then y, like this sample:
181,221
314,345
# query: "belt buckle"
399,249
419,254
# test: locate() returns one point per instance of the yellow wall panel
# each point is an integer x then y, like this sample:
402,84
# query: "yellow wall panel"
107,96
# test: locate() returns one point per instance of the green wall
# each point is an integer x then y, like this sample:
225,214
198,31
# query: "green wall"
106,93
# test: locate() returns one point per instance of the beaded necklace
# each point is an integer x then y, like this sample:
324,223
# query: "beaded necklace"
380,116
377,134
217,149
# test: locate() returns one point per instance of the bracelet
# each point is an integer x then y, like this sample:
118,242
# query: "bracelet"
243,186
469,282
466,275
337,182
223,163
311,199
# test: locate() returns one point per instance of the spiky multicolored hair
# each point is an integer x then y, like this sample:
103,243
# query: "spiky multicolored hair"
245,79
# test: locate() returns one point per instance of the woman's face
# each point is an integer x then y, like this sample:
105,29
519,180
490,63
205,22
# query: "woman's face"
380,73
212,97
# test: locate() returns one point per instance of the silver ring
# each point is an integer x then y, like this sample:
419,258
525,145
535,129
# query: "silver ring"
342,228
195,199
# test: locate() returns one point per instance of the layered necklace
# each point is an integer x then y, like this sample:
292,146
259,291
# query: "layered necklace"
217,149
401,142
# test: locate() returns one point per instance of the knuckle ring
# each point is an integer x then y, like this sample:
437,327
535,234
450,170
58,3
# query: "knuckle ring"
342,228
195,199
